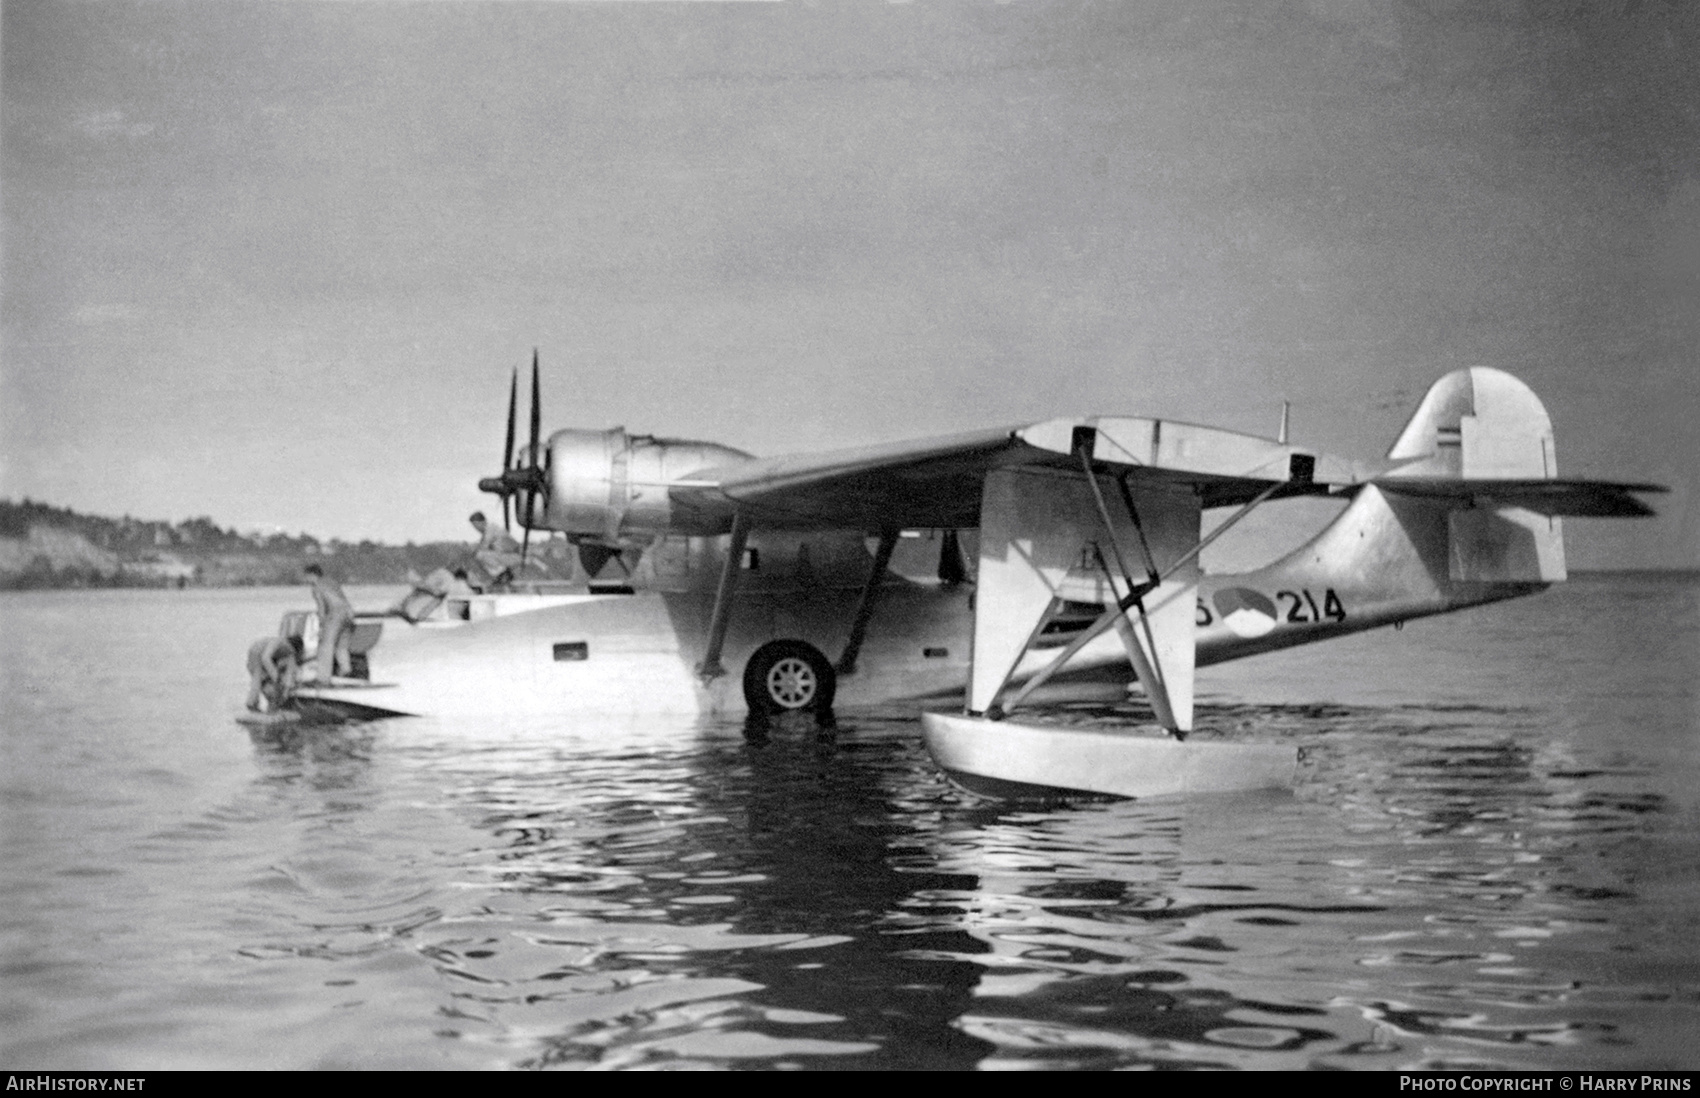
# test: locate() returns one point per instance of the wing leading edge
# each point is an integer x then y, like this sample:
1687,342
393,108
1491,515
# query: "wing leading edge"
937,482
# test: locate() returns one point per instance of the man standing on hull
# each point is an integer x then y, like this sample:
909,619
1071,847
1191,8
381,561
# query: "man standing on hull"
336,623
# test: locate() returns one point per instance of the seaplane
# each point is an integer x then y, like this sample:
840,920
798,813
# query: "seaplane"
1059,558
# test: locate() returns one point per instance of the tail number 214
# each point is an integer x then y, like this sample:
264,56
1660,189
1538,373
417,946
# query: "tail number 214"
1301,610
1300,607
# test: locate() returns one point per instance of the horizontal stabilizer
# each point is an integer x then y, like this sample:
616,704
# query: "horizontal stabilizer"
1579,498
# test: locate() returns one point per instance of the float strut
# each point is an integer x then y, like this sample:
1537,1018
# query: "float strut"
1118,617
1111,616
710,668
865,605
1085,452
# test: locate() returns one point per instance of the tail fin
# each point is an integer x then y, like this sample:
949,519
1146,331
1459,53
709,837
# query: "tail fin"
1469,512
1478,424
1476,430
1481,441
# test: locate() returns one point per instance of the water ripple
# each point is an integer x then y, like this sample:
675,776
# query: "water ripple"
1509,885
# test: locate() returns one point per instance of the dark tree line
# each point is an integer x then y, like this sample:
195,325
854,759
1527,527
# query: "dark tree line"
197,551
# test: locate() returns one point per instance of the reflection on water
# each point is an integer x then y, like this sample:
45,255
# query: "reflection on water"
1431,896
1508,885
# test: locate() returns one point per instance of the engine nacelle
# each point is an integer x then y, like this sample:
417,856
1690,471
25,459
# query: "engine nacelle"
608,484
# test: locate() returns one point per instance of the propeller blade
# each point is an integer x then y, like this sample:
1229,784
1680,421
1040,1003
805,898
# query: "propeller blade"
532,462
508,446
513,408
536,408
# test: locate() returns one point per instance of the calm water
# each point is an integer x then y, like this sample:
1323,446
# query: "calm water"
1492,858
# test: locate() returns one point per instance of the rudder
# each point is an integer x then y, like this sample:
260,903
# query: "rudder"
1481,424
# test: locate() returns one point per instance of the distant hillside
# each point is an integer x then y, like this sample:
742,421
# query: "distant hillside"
45,546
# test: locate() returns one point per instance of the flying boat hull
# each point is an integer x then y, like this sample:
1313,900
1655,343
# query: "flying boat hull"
533,655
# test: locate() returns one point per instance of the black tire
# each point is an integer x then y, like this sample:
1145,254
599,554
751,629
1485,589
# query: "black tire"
787,676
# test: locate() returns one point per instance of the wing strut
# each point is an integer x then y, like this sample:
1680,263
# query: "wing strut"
1150,674
730,570
1139,654
1118,614
865,605
1152,578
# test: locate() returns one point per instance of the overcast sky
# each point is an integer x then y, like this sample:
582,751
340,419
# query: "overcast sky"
273,263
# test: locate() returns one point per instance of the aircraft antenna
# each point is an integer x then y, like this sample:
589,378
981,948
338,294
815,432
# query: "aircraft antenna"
1282,437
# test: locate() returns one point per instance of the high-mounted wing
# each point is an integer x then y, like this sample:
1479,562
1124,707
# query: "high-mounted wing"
937,482
928,483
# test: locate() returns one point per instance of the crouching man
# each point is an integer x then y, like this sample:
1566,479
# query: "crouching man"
272,671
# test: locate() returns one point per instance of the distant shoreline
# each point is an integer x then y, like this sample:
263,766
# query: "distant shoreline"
53,548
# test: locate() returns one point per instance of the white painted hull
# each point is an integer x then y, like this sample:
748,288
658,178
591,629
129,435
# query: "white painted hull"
641,653
1009,758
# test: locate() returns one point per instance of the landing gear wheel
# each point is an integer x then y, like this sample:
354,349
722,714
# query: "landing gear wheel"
789,676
